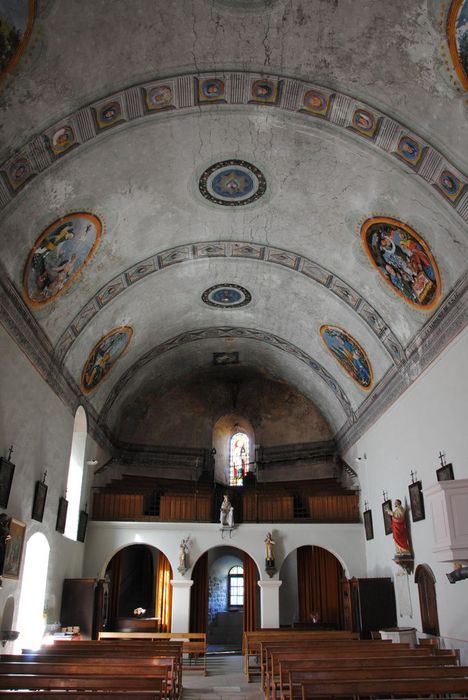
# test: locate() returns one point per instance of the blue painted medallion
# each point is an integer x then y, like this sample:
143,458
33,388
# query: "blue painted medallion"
226,295
232,183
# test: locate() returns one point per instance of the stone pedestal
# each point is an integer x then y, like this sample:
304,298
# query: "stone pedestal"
181,605
269,603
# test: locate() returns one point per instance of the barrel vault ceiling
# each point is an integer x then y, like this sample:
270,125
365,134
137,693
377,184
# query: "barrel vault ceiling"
279,184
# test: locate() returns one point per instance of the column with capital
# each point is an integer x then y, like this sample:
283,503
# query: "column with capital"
181,605
269,603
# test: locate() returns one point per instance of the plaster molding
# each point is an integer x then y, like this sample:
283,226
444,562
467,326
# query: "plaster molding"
259,252
181,93
268,583
181,584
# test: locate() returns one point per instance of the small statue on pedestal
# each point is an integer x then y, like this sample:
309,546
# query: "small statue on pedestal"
269,555
183,549
403,554
226,516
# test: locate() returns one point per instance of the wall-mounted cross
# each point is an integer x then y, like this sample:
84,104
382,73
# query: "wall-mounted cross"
385,495
414,476
442,460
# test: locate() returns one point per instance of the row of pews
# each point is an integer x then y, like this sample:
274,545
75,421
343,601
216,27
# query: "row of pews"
302,665
117,669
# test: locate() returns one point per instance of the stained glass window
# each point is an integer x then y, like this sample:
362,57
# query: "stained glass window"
239,459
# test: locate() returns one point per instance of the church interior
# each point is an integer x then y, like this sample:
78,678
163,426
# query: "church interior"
233,309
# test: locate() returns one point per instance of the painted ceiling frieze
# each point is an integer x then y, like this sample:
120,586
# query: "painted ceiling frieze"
59,255
232,183
457,37
185,92
103,357
349,354
230,296
232,249
16,23
404,260
228,332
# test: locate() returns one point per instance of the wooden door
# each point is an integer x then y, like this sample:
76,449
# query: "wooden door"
427,599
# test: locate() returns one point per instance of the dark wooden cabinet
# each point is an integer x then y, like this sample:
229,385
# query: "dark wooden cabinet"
84,605
368,605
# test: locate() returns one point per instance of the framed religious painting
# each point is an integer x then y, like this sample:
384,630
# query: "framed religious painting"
368,525
387,516
14,549
7,469
82,524
445,473
416,501
40,496
61,515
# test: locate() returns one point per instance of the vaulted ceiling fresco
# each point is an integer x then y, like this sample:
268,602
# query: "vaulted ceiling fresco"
282,184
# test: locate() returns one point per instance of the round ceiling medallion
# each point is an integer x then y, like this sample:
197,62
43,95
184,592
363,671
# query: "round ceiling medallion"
349,354
232,183
226,295
103,356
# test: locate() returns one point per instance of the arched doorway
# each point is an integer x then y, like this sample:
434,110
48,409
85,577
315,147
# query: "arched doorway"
140,593
310,595
425,579
225,597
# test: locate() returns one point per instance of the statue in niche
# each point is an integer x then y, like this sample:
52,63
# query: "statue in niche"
226,516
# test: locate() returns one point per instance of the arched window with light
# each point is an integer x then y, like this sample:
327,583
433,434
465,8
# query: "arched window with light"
236,587
239,458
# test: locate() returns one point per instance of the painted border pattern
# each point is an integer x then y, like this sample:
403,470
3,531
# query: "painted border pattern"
231,249
341,110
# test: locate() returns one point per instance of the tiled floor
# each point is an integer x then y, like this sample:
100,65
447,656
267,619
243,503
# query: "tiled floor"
225,681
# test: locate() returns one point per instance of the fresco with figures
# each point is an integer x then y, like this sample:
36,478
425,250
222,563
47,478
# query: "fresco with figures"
16,20
59,255
103,356
457,34
350,355
403,259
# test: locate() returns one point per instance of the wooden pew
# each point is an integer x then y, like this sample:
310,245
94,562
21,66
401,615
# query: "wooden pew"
251,642
91,685
388,687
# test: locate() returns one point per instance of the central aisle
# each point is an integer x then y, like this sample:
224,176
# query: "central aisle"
225,681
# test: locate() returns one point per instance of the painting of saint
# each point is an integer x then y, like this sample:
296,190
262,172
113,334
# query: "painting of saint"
16,19
457,35
103,357
403,259
59,255
349,354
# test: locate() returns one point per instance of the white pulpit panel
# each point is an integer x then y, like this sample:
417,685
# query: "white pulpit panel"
448,505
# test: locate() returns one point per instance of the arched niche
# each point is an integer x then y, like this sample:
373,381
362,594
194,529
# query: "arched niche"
311,583
224,428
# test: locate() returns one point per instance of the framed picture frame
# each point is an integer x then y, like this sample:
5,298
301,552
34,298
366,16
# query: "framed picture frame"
14,549
40,496
387,516
445,473
416,501
7,469
61,515
82,524
368,525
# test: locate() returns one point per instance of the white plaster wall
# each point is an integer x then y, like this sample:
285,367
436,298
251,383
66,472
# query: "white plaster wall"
40,428
430,416
288,593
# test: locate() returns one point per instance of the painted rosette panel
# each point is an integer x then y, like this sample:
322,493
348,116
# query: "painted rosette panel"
226,296
16,22
404,260
232,183
59,255
457,36
349,354
103,357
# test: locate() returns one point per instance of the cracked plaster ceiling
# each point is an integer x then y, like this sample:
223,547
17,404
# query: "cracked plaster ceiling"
233,80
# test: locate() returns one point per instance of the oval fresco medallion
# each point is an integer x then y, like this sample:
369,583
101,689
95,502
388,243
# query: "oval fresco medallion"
59,255
103,356
226,295
457,36
403,259
232,183
16,21
349,354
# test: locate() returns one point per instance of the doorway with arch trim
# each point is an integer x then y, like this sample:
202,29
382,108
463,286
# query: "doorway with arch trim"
425,580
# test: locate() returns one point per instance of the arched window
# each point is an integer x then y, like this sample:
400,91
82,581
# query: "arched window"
238,458
75,473
31,621
236,587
